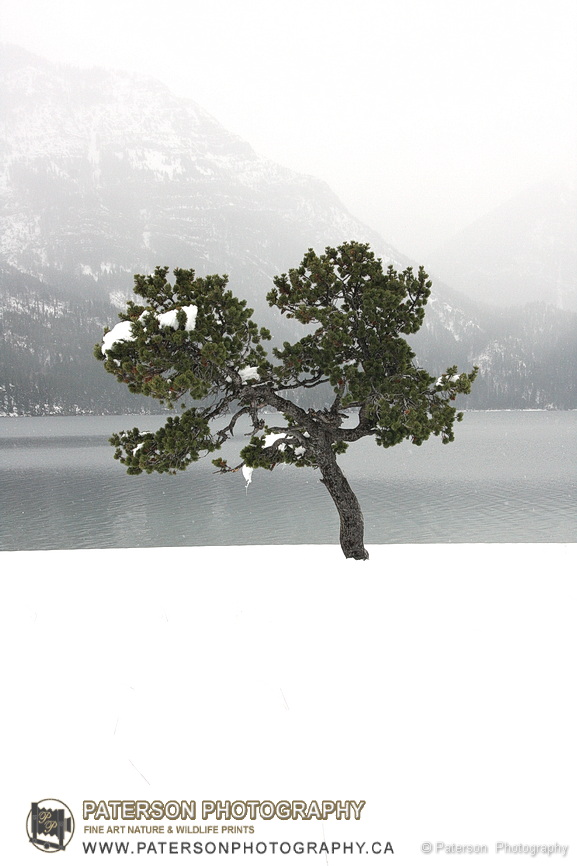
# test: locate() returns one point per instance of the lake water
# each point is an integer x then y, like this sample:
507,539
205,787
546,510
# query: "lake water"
507,477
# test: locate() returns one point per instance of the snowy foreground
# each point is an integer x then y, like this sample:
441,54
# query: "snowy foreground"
436,683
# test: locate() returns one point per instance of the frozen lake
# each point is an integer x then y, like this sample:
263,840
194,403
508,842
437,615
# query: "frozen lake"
508,477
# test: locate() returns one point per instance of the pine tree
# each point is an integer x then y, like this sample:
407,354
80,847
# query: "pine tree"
194,344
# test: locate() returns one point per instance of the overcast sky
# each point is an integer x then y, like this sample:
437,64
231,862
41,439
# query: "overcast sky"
420,114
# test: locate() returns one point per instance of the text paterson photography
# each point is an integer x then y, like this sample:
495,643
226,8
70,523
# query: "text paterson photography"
222,810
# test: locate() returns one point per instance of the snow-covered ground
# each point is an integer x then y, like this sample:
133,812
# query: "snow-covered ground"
434,682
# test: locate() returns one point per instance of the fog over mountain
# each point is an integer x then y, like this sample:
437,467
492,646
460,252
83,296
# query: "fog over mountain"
105,174
523,251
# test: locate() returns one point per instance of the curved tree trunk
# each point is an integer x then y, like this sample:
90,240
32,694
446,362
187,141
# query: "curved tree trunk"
350,514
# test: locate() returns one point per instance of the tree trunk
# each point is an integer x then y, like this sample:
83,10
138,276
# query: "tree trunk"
350,514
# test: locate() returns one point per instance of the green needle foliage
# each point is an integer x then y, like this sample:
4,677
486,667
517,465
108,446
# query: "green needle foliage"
193,346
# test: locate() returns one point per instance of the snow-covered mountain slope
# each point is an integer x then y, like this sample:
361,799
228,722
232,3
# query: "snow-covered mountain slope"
46,363
104,175
521,252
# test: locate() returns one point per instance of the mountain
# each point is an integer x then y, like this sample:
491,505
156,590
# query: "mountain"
46,364
105,174
522,252
527,356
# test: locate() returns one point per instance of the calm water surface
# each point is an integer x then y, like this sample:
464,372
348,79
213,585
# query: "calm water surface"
508,477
